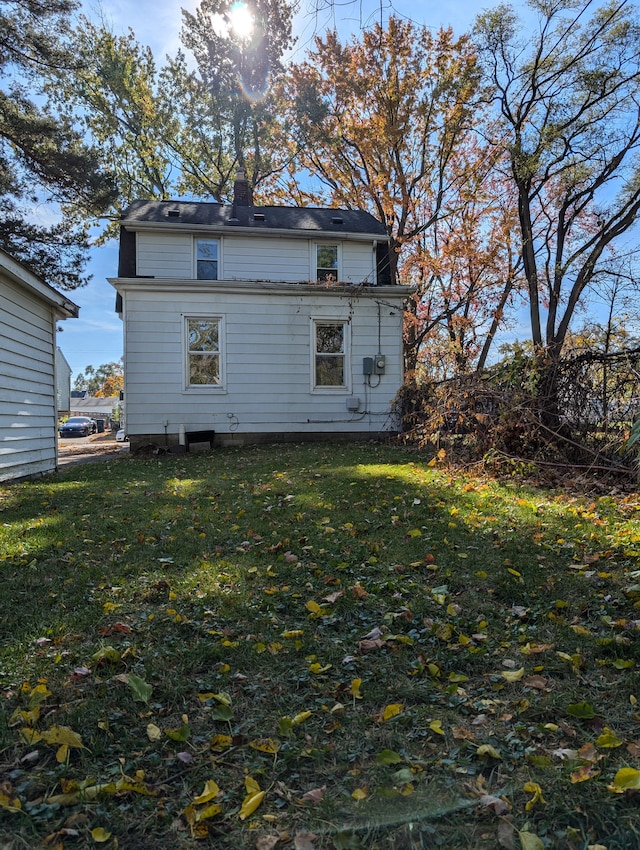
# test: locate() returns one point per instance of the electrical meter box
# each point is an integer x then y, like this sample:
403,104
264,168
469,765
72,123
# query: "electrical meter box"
374,365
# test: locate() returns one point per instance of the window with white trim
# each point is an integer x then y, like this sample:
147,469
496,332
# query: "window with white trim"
207,259
330,349
328,262
204,351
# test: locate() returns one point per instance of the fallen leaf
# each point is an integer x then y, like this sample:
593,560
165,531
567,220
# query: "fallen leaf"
209,792
267,842
154,733
266,745
513,675
304,841
497,804
626,779
584,773
608,740
100,835
390,711
529,841
314,796
252,800
536,790
140,689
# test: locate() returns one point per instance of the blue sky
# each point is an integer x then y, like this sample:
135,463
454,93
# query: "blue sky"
96,336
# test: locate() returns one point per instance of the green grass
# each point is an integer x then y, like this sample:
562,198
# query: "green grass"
328,619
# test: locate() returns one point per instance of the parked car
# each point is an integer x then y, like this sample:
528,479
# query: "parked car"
121,437
78,426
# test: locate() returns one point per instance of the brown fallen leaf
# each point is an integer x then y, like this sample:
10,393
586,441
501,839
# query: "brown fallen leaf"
314,796
305,841
497,804
366,646
267,842
537,682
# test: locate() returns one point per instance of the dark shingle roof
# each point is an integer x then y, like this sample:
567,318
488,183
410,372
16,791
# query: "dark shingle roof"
301,219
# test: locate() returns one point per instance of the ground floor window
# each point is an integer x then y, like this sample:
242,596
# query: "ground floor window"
204,366
330,353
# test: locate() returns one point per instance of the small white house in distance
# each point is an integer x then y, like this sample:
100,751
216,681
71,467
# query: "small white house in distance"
256,323
29,310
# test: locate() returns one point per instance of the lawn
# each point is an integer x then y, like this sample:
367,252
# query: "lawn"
307,647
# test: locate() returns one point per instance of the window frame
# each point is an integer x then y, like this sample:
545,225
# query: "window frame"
345,387
314,261
196,259
187,354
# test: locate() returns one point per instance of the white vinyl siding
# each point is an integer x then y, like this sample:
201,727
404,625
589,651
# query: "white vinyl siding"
266,355
248,257
168,255
27,378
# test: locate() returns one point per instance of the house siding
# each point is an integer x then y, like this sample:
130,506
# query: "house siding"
27,378
267,359
257,258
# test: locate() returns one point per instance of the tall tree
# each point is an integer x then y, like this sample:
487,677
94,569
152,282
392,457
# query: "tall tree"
184,128
42,156
568,95
378,121
465,268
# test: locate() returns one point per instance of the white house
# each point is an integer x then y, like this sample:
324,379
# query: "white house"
29,310
256,323
63,382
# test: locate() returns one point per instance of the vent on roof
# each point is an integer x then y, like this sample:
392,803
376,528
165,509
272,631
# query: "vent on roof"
173,213
258,216
337,219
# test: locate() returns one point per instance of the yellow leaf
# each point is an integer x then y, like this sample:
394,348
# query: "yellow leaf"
626,779
62,753
154,733
11,804
415,532
265,745
209,792
208,812
100,835
301,717
513,675
584,773
62,735
313,608
316,667
250,804
360,794
356,684
436,726
529,841
488,750
251,785
608,740
392,710
536,790
221,742
293,633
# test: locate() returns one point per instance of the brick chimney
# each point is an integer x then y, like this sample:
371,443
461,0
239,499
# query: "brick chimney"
241,189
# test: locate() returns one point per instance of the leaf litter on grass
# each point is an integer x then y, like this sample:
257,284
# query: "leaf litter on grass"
269,623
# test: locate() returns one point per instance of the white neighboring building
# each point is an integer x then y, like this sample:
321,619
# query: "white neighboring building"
258,323
29,310
63,383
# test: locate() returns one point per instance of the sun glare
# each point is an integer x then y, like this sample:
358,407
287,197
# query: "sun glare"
241,20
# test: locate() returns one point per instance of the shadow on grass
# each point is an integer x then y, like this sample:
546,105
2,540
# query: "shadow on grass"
279,577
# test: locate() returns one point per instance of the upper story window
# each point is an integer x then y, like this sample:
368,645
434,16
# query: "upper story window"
330,366
204,367
207,258
327,262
